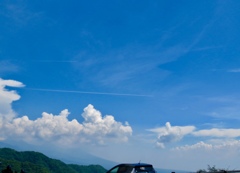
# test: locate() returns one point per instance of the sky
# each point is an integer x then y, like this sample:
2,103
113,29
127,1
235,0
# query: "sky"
123,80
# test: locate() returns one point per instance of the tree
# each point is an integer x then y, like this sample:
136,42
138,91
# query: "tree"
7,170
211,169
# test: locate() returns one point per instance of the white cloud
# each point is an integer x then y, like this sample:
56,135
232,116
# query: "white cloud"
58,128
198,145
231,133
170,133
97,126
6,98
220,145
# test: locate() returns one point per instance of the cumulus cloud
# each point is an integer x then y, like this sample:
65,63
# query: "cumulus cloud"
170,133
94,129
7,97
95,124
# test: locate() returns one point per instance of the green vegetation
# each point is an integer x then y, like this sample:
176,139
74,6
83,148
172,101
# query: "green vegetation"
35,162
211,169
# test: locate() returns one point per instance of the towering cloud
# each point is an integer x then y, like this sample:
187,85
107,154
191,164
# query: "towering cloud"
6,99
170,134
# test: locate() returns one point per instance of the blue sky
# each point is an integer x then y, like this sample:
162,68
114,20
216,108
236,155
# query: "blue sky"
156,81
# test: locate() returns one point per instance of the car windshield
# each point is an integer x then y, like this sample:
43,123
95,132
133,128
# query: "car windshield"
144,169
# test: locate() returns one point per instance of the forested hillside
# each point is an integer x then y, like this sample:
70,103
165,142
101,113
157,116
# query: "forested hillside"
35,162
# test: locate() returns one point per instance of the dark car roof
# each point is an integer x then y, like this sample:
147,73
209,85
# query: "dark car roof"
135,164
127,167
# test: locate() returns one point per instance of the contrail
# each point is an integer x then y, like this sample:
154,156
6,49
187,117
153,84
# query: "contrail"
87,92
53,61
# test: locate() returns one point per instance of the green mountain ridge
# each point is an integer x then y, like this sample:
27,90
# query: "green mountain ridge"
36,162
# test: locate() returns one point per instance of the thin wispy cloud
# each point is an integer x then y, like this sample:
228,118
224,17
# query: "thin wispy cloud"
19,13
8,67
53,61
206,48
236,70
234,144
88,92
